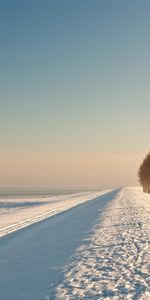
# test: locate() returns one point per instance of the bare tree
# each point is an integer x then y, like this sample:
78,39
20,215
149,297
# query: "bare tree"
144,174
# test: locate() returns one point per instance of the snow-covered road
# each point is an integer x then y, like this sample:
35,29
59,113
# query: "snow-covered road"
99,249
115,264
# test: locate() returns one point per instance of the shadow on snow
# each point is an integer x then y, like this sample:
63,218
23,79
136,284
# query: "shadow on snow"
32,259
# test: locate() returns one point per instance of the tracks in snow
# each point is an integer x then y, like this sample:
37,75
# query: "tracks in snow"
114,263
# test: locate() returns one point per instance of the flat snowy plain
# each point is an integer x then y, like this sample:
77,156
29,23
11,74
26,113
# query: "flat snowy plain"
82,246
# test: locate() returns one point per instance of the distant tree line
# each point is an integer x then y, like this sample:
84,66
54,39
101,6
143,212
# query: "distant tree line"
144,174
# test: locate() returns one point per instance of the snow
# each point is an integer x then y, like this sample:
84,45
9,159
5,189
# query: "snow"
16,214
98,249
116,262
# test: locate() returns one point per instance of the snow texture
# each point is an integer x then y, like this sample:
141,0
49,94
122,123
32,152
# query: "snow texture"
17,214
99,249
116,262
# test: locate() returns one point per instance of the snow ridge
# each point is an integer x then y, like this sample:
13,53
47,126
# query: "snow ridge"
15,215
114,263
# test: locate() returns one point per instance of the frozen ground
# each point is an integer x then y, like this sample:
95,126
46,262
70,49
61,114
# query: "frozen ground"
115,263
18,213
99,249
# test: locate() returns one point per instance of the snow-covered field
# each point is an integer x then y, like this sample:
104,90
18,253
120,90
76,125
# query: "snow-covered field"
18,213
95,249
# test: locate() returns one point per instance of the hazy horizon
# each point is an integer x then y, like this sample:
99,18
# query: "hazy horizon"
79,174
74,97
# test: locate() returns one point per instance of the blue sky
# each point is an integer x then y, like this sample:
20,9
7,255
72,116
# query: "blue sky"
74,82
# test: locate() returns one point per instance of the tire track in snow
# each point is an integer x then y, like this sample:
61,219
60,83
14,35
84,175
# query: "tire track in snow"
114,263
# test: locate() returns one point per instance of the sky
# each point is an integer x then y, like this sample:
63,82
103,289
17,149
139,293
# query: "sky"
74,92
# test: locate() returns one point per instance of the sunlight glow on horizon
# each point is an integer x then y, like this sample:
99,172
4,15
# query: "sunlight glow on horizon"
80,171
74,97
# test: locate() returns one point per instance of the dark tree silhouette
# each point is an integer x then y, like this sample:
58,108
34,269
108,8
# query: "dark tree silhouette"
144,174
